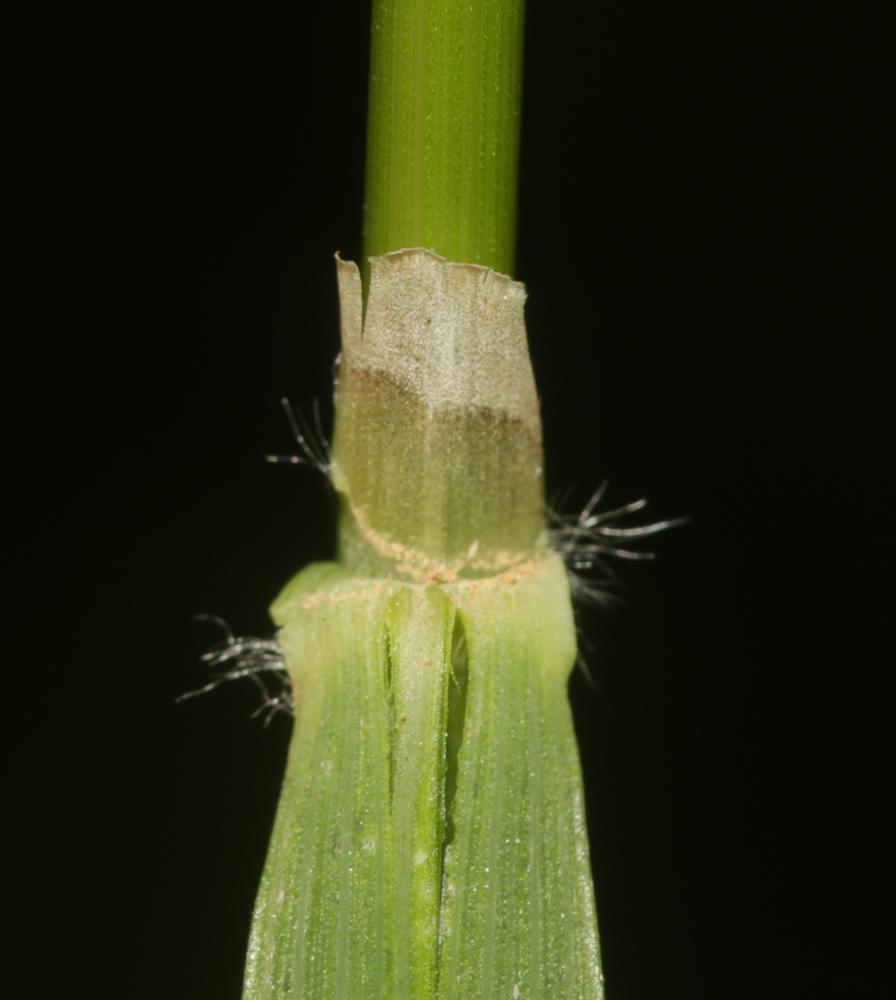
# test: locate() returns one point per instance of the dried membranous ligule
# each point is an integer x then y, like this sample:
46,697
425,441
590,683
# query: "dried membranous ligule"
437,451
430,840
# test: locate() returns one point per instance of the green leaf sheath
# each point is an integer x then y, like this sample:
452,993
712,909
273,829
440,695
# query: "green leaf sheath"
443,128
518,915
429,841
313,934
348,905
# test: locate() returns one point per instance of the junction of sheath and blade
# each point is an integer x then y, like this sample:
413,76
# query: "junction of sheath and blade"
430,841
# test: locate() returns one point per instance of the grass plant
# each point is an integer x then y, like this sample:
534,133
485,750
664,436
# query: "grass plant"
430,838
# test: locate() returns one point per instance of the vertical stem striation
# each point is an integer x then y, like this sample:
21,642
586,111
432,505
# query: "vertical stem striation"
443,128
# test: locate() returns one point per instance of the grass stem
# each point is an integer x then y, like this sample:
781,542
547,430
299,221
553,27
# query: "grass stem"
443,129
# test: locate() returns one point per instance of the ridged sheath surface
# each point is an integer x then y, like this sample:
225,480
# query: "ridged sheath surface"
421,852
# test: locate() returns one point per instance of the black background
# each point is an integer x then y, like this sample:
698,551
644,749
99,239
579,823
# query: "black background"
705,212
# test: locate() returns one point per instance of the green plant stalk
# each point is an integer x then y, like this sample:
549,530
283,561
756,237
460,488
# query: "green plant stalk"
443,128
